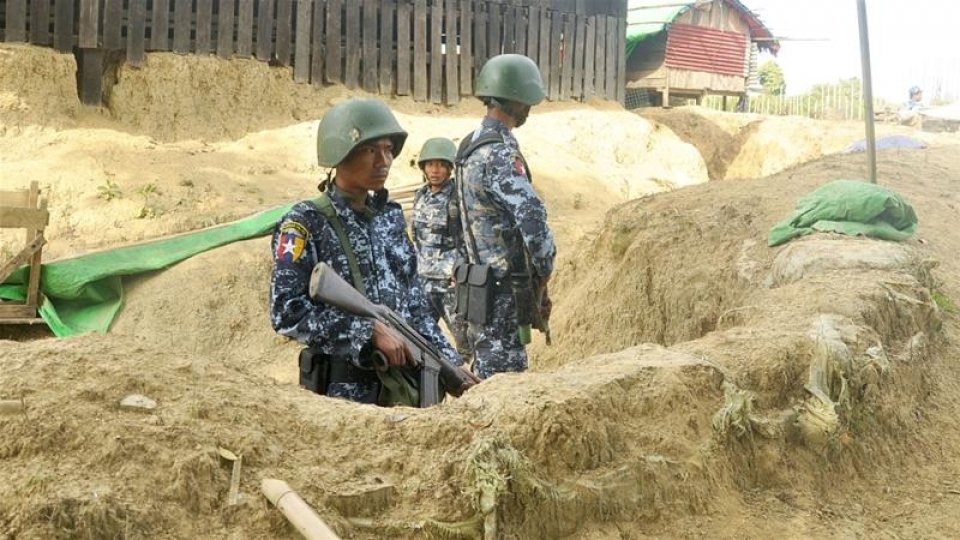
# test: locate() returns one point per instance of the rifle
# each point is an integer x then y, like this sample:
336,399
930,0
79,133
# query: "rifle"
530,294
330,288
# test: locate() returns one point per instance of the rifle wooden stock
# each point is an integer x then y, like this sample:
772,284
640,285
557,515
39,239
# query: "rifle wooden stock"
328,287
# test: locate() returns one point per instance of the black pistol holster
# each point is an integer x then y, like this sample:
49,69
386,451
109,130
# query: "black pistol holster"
314,370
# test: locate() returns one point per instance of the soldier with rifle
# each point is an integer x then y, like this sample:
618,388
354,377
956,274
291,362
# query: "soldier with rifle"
502,290
358,232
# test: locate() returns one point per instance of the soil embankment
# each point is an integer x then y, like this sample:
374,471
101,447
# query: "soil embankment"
699,383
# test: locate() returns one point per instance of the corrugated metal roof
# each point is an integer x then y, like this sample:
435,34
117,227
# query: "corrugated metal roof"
706,49
647,18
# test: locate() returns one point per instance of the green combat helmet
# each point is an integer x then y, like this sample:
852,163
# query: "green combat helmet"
514,77
352,123
437,148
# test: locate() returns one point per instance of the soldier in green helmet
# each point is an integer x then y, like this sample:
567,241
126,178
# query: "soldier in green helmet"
502,290
358,231
437,234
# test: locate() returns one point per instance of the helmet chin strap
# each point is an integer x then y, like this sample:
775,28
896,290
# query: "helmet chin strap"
322,186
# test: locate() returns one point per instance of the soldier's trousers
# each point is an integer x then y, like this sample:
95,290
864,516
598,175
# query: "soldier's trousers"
496,344
442,300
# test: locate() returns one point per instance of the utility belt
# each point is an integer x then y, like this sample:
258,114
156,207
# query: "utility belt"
318,371
477,286
397,386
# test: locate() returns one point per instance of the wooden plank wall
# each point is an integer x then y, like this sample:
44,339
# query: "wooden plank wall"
430,49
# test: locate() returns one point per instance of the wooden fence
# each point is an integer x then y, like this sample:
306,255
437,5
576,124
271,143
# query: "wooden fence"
428,49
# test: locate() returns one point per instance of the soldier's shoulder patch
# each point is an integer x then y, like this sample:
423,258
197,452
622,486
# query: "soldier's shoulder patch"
518,168
293,239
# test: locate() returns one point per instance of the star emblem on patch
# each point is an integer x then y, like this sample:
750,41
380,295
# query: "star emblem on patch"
293,239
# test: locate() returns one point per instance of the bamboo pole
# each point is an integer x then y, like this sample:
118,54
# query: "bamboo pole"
296,510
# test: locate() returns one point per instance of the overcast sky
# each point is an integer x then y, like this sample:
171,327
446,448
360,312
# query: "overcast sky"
912,42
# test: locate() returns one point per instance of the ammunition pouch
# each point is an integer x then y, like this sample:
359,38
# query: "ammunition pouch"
318,370
476,288
398,387
314,370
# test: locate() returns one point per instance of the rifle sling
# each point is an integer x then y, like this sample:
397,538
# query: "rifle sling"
325,205
468,146
428,393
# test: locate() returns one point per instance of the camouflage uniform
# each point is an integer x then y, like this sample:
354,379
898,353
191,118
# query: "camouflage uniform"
303,238
504,214
436,234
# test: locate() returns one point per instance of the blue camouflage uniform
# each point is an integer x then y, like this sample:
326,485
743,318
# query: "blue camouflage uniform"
505,215
303,238
436,235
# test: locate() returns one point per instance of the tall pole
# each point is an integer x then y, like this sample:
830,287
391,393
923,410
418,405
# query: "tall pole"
867,90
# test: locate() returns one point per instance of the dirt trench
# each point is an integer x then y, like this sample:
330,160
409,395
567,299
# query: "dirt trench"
700,381
639,436
739,146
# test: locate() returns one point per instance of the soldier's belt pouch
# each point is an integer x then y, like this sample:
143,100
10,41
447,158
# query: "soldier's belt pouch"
475,291
314,370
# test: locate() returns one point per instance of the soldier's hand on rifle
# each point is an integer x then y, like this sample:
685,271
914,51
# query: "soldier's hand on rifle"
394,348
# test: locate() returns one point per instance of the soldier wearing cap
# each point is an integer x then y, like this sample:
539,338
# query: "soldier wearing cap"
358,139
504,221
437,235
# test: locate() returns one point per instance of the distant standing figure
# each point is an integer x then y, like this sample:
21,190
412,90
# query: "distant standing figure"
437,235
910,112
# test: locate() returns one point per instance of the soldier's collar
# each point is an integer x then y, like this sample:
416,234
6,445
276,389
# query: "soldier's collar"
490,122
428,190
374,204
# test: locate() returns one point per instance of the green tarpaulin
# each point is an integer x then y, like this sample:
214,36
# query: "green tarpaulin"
84,294
647,18
849,207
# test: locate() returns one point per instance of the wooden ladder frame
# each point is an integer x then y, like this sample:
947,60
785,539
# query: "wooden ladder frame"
24,209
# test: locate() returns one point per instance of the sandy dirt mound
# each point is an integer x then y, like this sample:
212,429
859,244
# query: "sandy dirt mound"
633,283
37,86
739,146
700,381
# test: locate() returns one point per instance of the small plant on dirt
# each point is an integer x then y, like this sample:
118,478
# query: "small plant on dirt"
148,210
577,201
943,302
109,191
